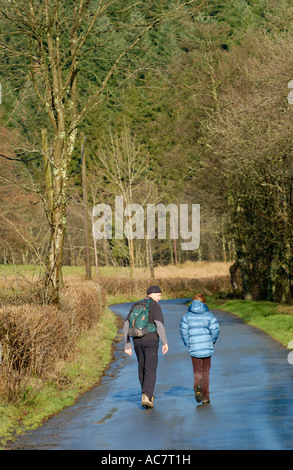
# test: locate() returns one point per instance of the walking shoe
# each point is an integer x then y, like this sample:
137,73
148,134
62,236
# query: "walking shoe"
205,401
198,393
146,402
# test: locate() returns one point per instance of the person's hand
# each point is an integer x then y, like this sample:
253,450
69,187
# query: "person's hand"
128,351
165,348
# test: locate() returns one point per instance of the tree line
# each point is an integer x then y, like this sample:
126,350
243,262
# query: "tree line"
190,98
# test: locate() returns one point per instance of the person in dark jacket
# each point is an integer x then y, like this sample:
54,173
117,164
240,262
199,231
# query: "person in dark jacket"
146,347
199,331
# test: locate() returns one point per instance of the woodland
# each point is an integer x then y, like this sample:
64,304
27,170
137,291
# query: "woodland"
158,101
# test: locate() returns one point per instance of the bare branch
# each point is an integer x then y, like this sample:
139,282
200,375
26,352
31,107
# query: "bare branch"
28,242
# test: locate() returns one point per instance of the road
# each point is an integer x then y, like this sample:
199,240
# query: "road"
251,384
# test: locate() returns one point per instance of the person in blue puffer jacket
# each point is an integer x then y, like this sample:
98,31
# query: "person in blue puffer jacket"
199,331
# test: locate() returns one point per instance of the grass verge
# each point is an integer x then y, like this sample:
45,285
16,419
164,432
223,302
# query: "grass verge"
91,358
273,318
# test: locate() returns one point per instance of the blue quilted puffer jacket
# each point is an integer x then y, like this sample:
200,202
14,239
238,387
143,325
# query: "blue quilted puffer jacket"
199,330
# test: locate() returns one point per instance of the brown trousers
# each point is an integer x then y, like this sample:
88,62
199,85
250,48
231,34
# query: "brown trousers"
201,374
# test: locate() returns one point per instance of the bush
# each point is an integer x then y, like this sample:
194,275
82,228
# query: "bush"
174,287
35,338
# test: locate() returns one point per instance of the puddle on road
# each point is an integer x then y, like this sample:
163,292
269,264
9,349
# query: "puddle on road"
107,416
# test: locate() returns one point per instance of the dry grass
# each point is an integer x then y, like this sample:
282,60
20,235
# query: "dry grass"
19,277
197,270
187,270
179,281
285,309
171,288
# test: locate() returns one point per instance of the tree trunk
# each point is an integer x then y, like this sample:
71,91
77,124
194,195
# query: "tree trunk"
150,258
55,201
85,212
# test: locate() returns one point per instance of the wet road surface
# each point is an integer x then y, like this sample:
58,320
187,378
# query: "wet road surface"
251,385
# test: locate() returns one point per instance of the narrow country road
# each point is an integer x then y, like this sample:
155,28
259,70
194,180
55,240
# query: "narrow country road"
251,407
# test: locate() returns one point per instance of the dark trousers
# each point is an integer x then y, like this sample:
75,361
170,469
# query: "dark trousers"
146,351
201,374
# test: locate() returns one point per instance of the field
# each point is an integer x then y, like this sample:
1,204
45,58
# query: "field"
21,283
14,274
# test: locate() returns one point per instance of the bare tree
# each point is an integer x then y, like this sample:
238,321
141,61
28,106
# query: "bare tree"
123,164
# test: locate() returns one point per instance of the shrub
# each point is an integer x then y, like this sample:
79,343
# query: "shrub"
174,287
34,338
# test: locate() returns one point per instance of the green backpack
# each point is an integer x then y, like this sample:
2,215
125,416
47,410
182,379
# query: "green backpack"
139,320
